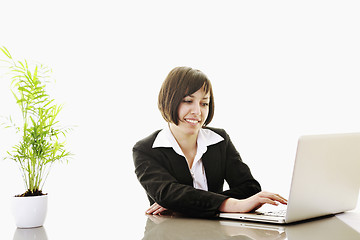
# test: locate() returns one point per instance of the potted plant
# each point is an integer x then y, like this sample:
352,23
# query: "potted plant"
41,141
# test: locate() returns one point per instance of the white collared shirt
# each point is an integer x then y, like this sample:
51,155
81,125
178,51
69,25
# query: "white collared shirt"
205,138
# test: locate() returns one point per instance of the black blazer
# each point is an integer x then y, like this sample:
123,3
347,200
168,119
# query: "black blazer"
167,180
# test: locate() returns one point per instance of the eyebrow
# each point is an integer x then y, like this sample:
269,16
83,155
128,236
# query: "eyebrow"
190,95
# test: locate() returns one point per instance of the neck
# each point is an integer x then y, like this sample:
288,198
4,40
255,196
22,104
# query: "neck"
185,141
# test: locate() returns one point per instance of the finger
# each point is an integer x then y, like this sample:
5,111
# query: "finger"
149,211
160,210
153,208
274,196
269,201
280,199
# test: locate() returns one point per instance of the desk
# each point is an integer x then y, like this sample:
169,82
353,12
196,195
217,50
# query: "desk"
343,226
329,228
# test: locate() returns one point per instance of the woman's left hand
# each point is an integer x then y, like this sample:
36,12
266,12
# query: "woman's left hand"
252,203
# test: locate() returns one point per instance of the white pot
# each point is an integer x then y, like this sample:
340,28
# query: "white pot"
29,212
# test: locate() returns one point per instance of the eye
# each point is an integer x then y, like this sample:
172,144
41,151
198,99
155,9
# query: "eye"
187,99
205,104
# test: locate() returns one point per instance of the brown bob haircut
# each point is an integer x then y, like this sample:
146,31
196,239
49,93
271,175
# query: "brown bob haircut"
182,82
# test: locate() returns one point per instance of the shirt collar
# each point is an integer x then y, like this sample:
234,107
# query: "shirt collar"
206,138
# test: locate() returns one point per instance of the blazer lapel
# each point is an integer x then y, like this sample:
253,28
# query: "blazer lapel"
178,166
212,164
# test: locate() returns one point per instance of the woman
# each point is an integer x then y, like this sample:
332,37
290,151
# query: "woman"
183,167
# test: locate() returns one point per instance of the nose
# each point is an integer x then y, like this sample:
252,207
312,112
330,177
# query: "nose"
196,109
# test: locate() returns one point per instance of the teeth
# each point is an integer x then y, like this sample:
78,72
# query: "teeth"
192,121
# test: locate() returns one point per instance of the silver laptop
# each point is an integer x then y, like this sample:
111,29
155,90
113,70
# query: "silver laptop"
325,181
329,228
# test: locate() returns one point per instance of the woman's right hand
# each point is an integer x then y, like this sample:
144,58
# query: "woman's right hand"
156,209
252,203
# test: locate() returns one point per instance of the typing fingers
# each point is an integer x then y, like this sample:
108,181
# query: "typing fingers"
281,199
272,198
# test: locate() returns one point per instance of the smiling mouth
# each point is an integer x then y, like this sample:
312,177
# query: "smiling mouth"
192,121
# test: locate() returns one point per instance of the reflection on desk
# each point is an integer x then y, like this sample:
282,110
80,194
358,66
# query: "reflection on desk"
180,228
38,233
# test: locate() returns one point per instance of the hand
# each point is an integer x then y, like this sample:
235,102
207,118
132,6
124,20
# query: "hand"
156,209
258,200
252,203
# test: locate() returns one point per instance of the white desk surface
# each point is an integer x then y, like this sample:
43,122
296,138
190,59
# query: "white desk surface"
109,222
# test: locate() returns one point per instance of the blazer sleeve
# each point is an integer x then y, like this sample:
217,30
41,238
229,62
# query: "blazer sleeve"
238,175
164,189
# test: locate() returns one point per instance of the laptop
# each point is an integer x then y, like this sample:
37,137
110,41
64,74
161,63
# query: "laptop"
325,180
329,228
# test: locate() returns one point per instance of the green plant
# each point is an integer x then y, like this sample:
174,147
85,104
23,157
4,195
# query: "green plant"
40,145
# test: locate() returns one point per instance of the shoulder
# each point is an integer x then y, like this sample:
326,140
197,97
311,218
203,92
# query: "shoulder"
147,142
219,131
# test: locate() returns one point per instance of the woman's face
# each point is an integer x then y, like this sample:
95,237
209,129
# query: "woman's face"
193,111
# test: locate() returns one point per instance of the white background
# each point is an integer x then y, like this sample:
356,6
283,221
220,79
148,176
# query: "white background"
279,69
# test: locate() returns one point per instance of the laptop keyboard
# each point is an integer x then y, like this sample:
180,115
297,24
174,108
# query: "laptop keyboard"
278,213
